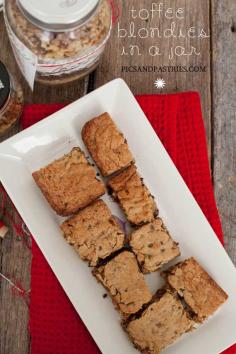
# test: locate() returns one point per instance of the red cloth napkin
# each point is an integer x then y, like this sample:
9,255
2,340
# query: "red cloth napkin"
177,119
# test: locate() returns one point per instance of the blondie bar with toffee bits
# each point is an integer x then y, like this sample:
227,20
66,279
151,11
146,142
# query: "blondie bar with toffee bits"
153,246
69,183
94,232
160,324
125,282
199,291
133,196
106,144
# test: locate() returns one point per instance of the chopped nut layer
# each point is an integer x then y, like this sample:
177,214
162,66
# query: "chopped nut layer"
52,46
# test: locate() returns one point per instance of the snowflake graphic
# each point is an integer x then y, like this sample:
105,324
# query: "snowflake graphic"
160,83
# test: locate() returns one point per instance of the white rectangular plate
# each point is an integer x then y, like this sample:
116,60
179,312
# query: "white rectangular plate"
56,135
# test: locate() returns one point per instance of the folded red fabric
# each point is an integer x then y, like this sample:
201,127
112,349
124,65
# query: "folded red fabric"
177,119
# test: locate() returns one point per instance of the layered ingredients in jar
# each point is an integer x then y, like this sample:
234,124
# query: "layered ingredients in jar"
62,54
11,100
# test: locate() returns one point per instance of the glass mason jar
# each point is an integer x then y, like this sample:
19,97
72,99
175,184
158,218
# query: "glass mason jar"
11,100
58,41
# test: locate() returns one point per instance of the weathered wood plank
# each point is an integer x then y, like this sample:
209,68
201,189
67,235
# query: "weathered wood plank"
224,113
15,258
196,14
15,263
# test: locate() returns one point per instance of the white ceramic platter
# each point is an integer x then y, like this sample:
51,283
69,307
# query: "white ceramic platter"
56,135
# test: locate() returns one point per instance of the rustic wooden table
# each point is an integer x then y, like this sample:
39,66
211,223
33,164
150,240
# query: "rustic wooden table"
217,89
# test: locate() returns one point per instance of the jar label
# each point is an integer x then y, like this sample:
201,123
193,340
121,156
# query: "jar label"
25,58
71,66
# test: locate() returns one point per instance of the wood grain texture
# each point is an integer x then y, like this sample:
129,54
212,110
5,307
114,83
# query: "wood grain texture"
224,113
196,14
15,258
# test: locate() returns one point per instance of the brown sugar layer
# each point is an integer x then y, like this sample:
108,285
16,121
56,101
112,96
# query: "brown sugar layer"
153,246
199,291
106,144
69,183
94,233
161,324
124,281
133,196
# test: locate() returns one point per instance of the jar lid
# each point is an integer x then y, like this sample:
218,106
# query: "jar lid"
4,84
58,14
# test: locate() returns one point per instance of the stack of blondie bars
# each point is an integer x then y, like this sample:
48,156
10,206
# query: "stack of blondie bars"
119,261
